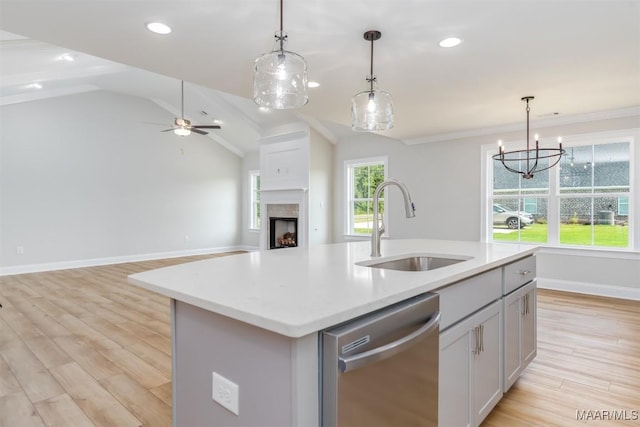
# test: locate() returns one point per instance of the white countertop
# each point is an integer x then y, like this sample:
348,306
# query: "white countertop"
298,291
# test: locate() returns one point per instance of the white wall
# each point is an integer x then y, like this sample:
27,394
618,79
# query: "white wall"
444,179
320,189
83,177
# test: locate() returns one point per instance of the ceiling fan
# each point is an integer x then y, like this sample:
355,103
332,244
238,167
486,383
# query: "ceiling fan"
182,126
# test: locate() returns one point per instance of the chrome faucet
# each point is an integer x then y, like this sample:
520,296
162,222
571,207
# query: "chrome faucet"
410,210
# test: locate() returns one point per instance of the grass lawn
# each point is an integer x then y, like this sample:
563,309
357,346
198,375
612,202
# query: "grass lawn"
570,234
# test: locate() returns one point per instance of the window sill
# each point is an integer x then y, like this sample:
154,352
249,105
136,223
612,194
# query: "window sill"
599,252
357,236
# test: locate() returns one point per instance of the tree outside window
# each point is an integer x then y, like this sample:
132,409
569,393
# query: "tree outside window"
364,176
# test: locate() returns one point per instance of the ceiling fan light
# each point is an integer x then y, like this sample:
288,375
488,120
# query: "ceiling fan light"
182,131
280,80
372,111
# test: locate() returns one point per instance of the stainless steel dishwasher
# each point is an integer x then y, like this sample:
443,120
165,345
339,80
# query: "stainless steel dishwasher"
382,369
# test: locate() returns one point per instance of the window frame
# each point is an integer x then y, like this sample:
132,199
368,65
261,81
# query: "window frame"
349,165
254,200
554,194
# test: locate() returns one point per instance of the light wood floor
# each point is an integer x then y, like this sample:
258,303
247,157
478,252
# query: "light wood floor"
82,347
588,360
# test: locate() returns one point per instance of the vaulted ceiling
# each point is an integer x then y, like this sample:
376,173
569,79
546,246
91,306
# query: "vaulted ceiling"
576,57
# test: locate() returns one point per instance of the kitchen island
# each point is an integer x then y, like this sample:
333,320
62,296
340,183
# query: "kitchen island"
254,319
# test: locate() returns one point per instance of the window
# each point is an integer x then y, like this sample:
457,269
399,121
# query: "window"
254,190
363,176
623,206
583,201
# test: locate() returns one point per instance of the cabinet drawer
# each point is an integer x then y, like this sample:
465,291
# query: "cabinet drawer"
518,273
463,298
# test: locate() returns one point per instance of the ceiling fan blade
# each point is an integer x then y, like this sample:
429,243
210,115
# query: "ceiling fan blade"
167,130
201,132
206,126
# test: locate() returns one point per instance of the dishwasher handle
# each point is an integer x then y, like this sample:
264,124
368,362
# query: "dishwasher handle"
350,363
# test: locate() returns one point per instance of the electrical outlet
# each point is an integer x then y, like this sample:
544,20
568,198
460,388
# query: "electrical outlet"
225,392
19,250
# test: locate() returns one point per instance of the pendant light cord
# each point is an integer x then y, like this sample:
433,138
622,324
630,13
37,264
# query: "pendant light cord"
371,73
528,152
281,36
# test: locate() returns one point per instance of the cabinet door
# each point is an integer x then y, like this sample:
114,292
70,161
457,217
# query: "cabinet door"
487,361
529,339
520,340
513,304
454,383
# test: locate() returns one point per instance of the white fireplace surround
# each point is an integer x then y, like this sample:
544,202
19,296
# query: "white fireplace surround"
298,197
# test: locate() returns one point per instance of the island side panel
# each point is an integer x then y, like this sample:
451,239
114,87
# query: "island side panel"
276,375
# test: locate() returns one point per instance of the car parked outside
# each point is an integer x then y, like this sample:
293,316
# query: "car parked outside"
512,219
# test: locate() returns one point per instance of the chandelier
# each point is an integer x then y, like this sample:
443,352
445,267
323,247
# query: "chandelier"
280,77
372,110
532,158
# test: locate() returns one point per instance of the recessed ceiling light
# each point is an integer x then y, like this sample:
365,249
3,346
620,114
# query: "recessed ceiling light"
69,57
313,84
450,42
35,86
264,109
158,28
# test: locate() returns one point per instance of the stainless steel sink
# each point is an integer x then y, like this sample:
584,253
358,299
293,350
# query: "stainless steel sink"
413,263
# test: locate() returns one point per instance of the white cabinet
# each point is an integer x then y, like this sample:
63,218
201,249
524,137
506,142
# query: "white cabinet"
520,340
487,361
454,384
470,382
484,350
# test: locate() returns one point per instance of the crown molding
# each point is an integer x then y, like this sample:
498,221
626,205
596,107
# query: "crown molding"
539,123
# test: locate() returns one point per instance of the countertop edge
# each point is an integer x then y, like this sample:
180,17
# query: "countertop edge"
313,326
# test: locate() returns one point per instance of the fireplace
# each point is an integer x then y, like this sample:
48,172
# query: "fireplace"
283,232
286,209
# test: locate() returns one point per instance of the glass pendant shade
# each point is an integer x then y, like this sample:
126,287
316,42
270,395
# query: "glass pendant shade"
280,79
372,110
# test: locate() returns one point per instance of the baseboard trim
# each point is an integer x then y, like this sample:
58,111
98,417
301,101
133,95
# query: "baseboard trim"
622,292
65,265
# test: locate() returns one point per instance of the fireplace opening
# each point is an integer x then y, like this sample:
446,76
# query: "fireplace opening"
283,232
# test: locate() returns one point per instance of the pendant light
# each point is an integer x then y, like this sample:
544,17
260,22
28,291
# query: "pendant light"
372,110
529,158
280,77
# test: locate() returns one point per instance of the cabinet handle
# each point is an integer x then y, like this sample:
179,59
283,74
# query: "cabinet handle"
479,338
524,272
476,348
523,298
